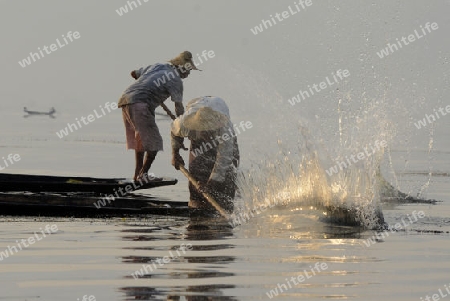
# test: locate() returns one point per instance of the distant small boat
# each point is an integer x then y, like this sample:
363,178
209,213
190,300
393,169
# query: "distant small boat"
49,113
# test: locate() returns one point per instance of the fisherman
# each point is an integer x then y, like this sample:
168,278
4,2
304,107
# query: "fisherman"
214,152
154,84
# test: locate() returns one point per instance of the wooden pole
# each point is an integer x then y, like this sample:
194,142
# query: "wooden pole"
194,182
168,111
207,196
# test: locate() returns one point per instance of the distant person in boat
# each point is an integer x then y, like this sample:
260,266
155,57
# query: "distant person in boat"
154,84
214,152
51,112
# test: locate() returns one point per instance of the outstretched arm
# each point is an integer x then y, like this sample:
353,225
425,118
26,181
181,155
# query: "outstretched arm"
179,108
177,143
177,134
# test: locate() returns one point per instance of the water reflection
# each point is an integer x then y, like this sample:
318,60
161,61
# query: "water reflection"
181,278
298,223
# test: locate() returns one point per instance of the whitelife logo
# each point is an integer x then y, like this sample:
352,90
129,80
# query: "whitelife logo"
11,250
301,5
360,156
302,95
436,297
430,118
49,49
161,261
87,298
91,118
171,75
391,48
397,227
11,159
206,146
131,5
121,192
281,287
237,219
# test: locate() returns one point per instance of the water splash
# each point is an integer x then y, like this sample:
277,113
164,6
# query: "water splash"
430,158
298,175
296,179
294,174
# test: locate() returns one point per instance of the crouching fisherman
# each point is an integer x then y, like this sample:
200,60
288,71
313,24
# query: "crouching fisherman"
213,155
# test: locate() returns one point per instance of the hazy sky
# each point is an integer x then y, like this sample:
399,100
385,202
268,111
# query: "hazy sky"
255,74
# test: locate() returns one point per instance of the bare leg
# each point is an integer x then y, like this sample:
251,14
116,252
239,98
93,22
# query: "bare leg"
149,158
139,156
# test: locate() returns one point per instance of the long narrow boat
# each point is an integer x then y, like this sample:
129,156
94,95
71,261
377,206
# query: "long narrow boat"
82,196
38,183
86,205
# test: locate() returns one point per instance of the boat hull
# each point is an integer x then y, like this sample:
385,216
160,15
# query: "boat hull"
39,183
86,205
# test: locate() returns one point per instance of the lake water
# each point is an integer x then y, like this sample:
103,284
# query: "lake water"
287,248
290,251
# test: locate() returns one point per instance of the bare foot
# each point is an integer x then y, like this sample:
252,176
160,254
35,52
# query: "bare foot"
148,178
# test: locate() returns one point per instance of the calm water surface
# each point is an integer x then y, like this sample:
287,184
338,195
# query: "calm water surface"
97,257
